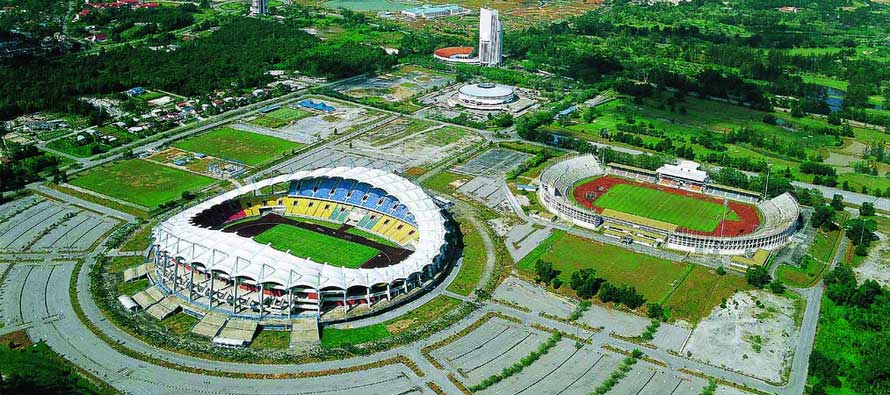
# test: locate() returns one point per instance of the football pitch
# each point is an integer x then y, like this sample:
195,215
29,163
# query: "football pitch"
318,247
141,182
683,211
231,144
281,117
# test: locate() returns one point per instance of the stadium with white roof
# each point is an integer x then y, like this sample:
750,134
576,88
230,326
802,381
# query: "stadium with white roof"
200,259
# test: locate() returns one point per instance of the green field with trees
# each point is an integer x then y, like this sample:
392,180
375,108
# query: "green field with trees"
141,182
232,144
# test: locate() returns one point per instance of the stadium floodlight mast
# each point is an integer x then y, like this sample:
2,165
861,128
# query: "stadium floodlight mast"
769,167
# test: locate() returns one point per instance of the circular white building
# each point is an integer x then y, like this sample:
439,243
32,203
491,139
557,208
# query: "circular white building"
207,256
485,96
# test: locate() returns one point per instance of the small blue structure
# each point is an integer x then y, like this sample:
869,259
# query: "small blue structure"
566,112
526,187
135,91
320,106
180,162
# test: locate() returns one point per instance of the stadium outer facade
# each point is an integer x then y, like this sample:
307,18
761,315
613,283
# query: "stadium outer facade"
234,275
780,214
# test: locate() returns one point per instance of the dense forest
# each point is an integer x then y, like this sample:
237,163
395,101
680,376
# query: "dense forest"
854,339
238,53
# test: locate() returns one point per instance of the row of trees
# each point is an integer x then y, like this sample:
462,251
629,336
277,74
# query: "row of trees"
586,284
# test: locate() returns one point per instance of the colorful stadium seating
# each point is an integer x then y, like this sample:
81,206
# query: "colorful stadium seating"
330,199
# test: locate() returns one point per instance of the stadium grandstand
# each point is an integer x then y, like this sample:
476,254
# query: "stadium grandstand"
776,222
208,255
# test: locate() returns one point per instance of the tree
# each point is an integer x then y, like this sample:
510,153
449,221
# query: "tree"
720,271
837,202
757,276
776,287
655,311
860,231
867,209
585,283
823,217
544,271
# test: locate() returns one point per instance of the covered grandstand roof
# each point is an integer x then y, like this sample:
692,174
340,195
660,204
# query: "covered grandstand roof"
241,257
686,169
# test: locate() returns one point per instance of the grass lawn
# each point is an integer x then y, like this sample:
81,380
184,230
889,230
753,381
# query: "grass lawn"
824,245
445,135
651,276
435,308
141,182
120,263
316,246
132,287
801,277
281,117
180,323
441,181
271,339
702,290
45,368
474,261
684,211
226,143
139,241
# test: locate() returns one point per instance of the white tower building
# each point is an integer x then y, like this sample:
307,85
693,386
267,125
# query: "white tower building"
259,7
491,38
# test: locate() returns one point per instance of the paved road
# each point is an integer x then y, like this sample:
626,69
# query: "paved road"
40,188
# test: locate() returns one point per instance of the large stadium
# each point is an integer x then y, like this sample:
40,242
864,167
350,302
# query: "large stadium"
675,207
306,243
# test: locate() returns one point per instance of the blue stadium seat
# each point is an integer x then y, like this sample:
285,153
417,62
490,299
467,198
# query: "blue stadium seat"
307,187
294,187
342,190
325,187
374,196
355,197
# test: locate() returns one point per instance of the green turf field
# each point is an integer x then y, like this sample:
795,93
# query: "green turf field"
683,211
316,246
141,182
232,144
651,276
281,117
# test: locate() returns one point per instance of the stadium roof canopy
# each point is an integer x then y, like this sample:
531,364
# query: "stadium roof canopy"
486,90
242,257
686,169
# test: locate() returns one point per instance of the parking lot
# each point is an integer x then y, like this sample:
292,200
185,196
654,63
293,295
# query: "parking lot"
37,224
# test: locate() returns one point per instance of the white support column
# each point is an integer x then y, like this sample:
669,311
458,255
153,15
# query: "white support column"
235,299
260,300
175,273
191,280
290,303
388,292
212,295
345,306
368,295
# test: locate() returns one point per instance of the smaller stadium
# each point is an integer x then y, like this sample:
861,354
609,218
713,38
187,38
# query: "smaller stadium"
456,55
675,207
313,244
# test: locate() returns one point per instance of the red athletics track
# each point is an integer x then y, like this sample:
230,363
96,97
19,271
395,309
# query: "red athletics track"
748,214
